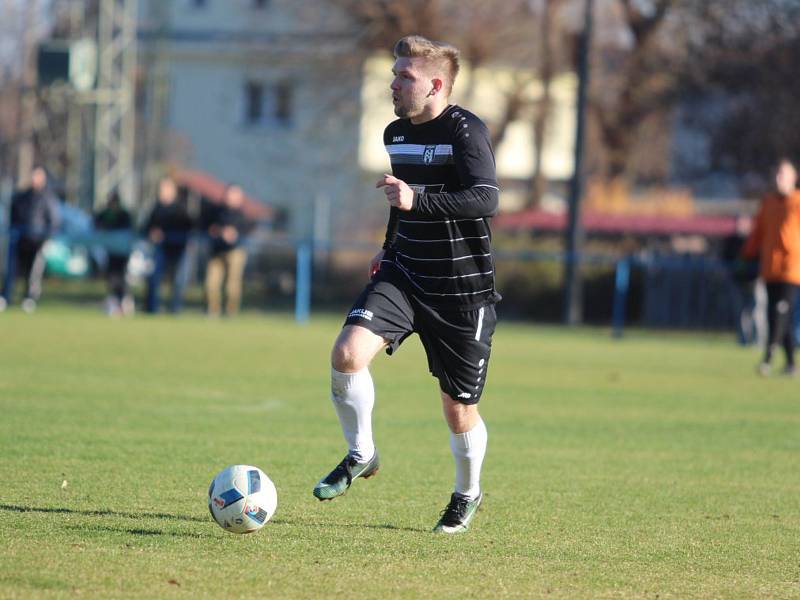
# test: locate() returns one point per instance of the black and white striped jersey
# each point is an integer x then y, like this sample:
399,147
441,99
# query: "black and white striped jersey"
443,244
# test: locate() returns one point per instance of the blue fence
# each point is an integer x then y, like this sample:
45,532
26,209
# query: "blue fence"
685,291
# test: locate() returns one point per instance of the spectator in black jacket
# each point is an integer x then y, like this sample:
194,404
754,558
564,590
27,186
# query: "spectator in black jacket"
113,218
34,218
749,292
168,228
227,228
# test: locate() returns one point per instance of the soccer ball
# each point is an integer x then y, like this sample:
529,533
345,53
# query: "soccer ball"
242,499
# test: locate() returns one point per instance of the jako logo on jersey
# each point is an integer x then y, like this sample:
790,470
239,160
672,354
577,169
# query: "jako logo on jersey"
465,395
398,138
427,158
362,313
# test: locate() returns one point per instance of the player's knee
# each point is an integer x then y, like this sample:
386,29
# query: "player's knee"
460,417
345,358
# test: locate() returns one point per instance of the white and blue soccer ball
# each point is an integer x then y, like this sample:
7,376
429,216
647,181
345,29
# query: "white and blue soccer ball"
242,499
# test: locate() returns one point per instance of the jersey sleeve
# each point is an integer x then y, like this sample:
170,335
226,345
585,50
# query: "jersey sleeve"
475,165
472,153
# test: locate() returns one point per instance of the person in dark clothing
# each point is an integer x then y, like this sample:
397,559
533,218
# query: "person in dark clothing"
168,228
227,228
34,218
749,293
113,218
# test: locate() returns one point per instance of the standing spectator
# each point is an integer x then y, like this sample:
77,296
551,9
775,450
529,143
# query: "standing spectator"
168,228
34,218
749,293
776,237
113,218
228,226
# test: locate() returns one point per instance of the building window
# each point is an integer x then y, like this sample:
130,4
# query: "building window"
283,103
271,104
253,101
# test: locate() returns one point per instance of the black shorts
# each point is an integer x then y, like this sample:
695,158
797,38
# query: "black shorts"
457,343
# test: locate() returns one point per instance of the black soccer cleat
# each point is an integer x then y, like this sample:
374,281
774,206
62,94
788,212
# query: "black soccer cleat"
338,480
458,514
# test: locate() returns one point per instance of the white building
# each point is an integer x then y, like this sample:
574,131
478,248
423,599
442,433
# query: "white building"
261,92
273,95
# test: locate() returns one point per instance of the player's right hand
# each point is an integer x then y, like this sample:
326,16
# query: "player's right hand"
398,192
375,264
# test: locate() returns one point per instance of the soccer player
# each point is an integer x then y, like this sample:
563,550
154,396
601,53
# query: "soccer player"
434,275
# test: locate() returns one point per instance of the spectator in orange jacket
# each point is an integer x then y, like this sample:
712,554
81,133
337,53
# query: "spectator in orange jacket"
776,239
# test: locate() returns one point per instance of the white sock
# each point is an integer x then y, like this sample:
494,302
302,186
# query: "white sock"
353,396
469,448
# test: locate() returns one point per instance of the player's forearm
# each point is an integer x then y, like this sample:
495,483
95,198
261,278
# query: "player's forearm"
472,202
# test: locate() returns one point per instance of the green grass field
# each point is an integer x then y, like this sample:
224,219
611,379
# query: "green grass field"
658,466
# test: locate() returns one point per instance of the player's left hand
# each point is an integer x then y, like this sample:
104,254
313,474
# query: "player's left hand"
397,191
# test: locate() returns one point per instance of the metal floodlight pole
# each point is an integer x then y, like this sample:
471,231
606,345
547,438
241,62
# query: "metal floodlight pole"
155,65
74,181
114,118
573,290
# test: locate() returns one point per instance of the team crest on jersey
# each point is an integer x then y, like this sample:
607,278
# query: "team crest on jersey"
427,157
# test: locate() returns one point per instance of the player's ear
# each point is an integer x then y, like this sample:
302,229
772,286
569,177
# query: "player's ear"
436,86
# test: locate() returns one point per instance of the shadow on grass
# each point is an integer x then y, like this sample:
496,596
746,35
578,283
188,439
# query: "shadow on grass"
101,513
316,525
141,531
171,517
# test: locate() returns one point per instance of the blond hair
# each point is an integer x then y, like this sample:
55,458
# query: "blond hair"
442,55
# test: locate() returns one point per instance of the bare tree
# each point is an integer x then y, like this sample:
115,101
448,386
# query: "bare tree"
486,33
32,118
635,81
523,36
662,51
749,52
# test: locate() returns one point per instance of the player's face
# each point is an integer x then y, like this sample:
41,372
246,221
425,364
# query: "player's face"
167,192
786,178
234,196
38,179
411,87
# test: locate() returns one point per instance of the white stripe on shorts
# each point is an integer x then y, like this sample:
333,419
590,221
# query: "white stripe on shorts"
480,324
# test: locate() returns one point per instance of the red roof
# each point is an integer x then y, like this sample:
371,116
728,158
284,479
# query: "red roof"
212,188
709,225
